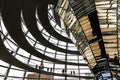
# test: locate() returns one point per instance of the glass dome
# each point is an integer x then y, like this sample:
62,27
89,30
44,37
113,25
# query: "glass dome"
36,45
27,41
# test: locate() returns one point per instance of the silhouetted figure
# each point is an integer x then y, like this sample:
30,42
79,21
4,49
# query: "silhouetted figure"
41,66
63,71
71,72
74,72
48,69
116,60
11,52
36,66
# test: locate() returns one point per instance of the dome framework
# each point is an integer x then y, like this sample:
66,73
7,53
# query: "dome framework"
32,32
26,41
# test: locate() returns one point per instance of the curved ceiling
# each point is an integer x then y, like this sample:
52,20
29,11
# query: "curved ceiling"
12,12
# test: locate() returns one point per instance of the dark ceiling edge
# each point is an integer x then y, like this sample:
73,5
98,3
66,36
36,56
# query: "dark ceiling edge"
1,3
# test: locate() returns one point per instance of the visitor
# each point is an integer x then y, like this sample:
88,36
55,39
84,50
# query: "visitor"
116,60
63,71
50,69
71,72
36,66
41,66
11,52
47,69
